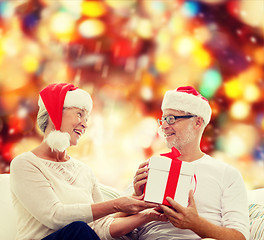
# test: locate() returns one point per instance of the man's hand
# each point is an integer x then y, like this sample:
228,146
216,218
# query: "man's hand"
140,178
179,216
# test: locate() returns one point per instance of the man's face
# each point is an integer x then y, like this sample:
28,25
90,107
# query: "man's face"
181,133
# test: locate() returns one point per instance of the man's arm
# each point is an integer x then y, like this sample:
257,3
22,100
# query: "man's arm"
188,218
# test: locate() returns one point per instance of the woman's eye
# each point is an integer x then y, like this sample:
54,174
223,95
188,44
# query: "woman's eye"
79,114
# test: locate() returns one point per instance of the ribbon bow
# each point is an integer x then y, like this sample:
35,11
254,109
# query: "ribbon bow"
173,154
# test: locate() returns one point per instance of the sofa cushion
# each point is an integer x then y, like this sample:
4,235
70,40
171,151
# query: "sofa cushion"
256,215
256,196
7,213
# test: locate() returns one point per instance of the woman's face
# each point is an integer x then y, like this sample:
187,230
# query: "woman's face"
74,122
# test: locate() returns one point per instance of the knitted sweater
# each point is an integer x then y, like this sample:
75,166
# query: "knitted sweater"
49,195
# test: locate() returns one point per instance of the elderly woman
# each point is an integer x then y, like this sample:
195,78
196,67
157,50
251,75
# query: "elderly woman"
57,196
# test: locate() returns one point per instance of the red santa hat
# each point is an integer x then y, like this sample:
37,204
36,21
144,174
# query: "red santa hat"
54,98
187,99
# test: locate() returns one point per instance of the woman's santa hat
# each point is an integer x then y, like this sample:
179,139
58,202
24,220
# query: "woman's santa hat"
187,99
54,98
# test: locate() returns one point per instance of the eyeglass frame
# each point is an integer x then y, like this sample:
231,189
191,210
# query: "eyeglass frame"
160,121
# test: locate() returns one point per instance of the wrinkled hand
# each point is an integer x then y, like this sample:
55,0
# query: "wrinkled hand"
140,178
179,216
132,205
154,214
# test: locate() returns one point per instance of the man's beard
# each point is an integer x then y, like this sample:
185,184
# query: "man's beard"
180,142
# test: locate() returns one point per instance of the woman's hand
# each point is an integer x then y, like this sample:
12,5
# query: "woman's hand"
154,214
140,178
132,205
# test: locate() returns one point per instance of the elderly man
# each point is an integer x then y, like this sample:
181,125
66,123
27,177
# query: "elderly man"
218,208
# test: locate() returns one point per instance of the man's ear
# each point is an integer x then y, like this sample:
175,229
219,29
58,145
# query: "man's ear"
199,122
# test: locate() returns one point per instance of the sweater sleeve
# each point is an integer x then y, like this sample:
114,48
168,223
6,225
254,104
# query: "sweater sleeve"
102,225
34,192
234,202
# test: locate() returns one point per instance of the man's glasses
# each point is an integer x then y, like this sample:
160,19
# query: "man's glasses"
171,119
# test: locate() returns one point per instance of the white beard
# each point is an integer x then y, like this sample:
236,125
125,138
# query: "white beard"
180,142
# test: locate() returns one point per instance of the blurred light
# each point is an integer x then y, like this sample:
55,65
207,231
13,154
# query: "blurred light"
190,8
259,55
233,88
10,47
13,80
251,93
72,7
184,46
201,57
239,139
119,4
259,153
251,12
215,108
143,61
62,26
163,38
146,93
30,63
144,28
211,81
176,24
26,144
145,132
156,7
6,9
91,28
22,112
202,34
93,8
240,110
163,63
260,120
212,1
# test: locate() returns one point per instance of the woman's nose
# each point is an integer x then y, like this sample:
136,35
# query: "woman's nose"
84,124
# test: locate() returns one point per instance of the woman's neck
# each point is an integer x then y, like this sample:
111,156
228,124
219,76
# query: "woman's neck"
44,151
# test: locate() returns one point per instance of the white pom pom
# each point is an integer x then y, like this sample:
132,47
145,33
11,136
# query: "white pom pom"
58,141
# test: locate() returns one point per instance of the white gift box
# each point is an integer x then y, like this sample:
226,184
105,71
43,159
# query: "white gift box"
166,177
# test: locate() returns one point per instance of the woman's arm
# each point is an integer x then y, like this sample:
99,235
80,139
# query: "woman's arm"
123,225
129,205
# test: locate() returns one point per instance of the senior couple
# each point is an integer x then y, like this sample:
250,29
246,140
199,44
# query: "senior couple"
57,197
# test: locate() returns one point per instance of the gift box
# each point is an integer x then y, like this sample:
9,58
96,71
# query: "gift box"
169,177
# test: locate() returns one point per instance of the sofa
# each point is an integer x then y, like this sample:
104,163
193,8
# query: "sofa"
8,222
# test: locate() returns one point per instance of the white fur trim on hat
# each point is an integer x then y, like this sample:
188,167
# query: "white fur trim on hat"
78,98
186,102
58,141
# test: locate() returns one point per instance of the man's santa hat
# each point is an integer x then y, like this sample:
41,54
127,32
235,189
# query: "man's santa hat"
54,98
187,99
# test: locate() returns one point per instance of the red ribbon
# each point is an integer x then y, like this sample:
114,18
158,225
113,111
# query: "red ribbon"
174,174
172,181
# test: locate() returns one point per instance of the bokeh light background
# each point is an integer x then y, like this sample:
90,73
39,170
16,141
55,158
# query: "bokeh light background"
127,53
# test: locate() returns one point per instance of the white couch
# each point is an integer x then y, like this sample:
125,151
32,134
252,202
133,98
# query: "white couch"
7,215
